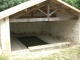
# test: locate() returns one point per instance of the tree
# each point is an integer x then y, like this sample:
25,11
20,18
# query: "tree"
5,4
75,3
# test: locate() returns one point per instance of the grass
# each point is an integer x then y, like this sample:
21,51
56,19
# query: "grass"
72,53
3,57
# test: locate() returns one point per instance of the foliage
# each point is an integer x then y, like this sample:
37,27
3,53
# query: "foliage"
4,4
75,3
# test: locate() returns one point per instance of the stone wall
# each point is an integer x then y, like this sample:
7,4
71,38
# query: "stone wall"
65,30
27,28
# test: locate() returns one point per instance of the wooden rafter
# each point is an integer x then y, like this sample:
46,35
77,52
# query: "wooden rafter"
65,5
42,11
17,15
24,12
61,9
19,8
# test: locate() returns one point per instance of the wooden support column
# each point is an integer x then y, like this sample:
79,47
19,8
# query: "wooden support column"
5,35
48,10
79,28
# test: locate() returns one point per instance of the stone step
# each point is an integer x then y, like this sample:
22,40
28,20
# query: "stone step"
17,45
50,46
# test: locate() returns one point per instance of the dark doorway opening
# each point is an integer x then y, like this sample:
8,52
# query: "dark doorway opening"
29,41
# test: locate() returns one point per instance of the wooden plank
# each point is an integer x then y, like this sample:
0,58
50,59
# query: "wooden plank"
19,8
34,17
43,19
5,35
64,18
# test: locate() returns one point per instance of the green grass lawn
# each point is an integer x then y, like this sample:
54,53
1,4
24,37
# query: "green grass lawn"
64,54
3,57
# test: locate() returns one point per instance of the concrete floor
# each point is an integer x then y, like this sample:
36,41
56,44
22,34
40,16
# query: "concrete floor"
16,45
49,39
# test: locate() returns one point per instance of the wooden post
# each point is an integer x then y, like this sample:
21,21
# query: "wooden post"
48,10
79,28
5,35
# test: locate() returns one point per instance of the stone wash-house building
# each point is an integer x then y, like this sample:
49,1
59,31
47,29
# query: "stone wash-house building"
49,20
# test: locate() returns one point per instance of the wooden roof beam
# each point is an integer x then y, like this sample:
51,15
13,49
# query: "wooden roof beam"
19,14
19,8
14,16
62,9
69,6
43,19
65,5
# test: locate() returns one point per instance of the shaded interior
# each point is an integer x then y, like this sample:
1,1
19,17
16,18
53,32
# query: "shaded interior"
29,34
31,41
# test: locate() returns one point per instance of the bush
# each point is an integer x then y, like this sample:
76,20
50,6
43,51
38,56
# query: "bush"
75,3
5,4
